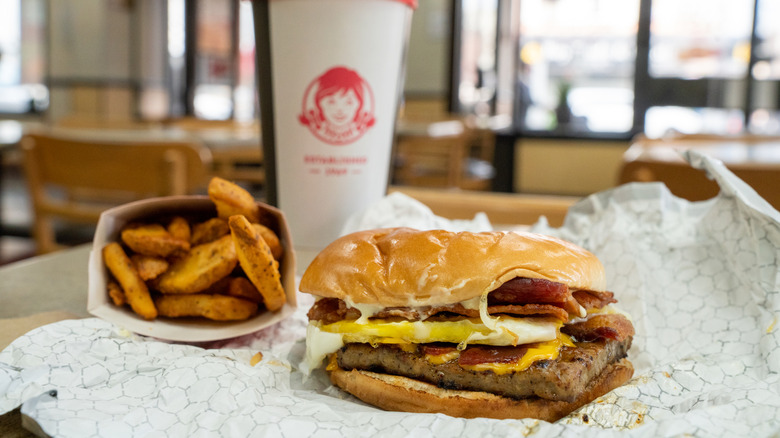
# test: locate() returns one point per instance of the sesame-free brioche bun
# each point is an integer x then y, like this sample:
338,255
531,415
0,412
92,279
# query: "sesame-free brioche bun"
406,267
397,393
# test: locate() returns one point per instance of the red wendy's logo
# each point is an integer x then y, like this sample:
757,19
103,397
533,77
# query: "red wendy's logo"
338,106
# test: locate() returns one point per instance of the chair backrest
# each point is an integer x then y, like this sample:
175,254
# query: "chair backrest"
73,177
682,180
75,121
237,155
439,154
754,159
502,209
431,161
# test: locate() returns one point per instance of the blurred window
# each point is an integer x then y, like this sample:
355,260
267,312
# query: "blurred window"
695,39
661,120
477,85
214,59
572,71
244,95
613,68
765,117
767,54
177,49
213,67
576,58
22,57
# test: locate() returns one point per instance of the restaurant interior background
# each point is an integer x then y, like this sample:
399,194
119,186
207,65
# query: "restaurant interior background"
556,90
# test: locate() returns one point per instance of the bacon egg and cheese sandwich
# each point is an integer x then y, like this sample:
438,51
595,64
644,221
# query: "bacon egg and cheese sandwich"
492,324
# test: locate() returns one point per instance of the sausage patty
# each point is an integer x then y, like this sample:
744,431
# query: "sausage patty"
560,379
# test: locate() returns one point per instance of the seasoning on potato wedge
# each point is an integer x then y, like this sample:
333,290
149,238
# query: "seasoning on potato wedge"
209,230
199,268
223,267
258,263
136,291
180,229
239,287
232,199
153,240
216,307
149,267
116,293
271,239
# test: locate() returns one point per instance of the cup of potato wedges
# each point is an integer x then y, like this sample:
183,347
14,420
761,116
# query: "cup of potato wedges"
193,268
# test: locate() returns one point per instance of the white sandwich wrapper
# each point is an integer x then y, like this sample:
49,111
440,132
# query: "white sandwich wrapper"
180,329
701,281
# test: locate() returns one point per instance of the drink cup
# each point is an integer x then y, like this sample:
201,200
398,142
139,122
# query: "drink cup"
330,76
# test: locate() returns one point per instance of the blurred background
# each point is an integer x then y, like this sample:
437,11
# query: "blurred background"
539,96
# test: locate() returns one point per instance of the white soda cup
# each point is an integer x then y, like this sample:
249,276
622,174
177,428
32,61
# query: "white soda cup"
337,70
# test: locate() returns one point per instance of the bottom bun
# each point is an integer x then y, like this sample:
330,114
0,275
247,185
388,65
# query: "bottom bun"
396,393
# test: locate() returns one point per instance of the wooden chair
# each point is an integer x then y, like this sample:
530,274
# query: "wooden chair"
237,156
75,121
190,123
503,209
239,164
72,178
437,154
754,159
431,161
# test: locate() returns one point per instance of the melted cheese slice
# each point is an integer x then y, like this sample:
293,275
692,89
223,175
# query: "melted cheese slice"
438,359
322,340
541,351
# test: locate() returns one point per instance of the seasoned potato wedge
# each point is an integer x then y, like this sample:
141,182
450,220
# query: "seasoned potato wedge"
209,230
195,263
241,287
123,270
232,199
179,228
216,307
153,240
149,267
258,263
271,239
203,266
116,293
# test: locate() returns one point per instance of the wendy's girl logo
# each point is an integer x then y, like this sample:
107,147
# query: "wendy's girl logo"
338,106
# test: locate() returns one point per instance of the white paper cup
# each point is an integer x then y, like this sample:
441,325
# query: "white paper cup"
337,70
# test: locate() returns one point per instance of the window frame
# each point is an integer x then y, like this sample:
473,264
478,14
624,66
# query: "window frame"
648,91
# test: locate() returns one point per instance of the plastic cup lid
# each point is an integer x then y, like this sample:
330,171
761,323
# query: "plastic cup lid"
411,3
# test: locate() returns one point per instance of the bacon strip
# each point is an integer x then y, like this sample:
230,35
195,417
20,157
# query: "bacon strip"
475,355
519,296
523,290
593,300
330,310
529,290
508,309
609,326
530,310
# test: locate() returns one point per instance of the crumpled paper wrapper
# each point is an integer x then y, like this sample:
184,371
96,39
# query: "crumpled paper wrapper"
700,279
399,210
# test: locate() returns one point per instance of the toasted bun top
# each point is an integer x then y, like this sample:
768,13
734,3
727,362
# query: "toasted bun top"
406,267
